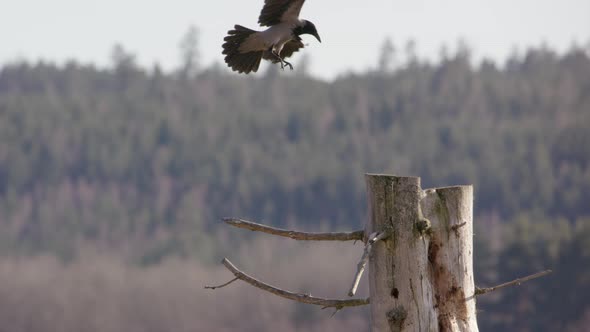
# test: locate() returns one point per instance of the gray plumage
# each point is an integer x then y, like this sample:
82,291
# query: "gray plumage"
244,48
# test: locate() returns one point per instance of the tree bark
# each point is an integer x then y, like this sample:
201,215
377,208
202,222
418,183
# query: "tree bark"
450,256
419,275
399,287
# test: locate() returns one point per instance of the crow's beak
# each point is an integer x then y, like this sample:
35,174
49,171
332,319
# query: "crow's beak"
317,36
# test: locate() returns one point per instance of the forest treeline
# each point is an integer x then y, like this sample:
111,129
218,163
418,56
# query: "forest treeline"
142,164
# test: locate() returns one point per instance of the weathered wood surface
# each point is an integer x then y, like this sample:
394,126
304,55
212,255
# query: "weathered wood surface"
301,236
420,275
450,257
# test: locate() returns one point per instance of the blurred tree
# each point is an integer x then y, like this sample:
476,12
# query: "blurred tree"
303,65
464,51
121,59
189,52
443,53
386,56
411,53
125,66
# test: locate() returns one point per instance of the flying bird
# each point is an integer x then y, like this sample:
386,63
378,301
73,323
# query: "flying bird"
245,48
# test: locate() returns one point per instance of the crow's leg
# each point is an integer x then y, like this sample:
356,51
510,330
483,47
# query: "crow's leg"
283,62
288,64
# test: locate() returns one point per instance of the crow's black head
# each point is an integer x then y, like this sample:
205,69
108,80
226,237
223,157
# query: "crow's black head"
308,28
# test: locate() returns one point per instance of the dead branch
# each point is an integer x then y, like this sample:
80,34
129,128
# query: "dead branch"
342,236
303,298
222,285
518,281
456,227
377,236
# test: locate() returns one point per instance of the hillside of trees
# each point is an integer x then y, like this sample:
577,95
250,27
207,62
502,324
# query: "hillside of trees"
140,164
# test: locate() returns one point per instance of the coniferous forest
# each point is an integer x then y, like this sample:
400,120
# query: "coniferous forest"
113,182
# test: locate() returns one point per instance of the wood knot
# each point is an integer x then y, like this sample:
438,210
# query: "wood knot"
395,292
396,318
423,226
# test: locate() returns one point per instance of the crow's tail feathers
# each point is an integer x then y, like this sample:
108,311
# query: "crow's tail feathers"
238,61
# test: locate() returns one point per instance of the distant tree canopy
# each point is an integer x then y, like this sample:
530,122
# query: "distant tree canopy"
112,158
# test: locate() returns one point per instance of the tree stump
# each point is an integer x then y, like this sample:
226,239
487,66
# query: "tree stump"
419,247
421,276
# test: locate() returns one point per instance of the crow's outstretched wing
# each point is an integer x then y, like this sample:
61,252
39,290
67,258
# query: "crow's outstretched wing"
277,11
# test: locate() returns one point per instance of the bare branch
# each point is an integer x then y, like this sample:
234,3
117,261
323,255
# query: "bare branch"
222,285
303,298
456,227
518,281
377,236
343,236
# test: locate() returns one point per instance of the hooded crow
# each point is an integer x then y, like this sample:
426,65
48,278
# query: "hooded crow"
245,48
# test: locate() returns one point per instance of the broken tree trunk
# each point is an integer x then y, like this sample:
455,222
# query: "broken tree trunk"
450,256
421,275
419,247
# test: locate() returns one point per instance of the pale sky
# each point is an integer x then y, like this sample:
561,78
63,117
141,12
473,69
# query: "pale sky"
352,31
